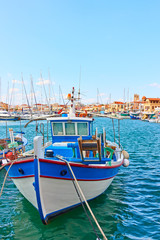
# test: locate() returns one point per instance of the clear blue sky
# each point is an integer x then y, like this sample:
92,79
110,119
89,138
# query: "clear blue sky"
116,43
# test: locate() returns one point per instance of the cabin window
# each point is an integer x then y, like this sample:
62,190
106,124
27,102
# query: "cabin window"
70,129
57,129
82,129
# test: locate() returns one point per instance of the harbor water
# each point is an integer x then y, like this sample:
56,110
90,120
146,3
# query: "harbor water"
129,209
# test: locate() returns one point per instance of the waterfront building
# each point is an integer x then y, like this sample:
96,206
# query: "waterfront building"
150,104
117,106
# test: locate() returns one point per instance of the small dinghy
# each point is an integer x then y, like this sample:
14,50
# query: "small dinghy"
47,175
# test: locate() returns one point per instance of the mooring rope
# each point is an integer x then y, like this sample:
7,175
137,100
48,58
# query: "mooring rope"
3,166
6,175
82,203
80,190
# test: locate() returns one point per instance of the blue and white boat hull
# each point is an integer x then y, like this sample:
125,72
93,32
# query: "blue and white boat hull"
48,185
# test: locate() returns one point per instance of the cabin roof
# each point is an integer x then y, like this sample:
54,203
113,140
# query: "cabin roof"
70,118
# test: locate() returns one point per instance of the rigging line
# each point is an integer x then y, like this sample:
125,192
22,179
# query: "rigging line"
26,95
53,91
80,190
12,92
34,92
45,91
60,92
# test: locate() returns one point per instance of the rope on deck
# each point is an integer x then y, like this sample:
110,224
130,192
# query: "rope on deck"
80,190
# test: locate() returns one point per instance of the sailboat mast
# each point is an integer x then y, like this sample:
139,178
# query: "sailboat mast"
7,97
97,96
0,89
26,95
49,85
12,92
33,92
31,97
44,90
60,93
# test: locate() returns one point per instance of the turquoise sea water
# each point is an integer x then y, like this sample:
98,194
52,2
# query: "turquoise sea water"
129,209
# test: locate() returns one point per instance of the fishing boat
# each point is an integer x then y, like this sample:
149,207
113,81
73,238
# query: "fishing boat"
135,115
146,116
50,175
125,114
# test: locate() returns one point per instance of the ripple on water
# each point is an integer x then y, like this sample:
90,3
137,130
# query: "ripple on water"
129,209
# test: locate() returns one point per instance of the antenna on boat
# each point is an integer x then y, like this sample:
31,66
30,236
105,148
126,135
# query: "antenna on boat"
79,93
72,108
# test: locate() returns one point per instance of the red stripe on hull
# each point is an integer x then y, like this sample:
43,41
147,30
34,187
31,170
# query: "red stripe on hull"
62,163
22,177
69,179
88,180
78,165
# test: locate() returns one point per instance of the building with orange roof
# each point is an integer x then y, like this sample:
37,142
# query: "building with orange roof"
117,106
151,104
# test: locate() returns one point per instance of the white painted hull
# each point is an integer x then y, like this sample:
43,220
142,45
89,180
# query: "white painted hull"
25,186
58,195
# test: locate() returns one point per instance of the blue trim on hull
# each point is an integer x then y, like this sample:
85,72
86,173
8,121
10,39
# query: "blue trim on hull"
81,173
36,185
134,117
52,169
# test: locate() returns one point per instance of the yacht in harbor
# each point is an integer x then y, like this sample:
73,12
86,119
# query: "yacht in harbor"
5,116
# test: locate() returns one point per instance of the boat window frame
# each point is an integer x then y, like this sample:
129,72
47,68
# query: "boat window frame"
76,128
87,128
53,129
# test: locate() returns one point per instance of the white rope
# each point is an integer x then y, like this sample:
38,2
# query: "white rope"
105,238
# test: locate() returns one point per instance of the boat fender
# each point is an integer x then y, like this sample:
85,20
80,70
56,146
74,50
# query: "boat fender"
125,163
38,151
125,154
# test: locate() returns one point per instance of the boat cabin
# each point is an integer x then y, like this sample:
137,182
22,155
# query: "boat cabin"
69,130
72,138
